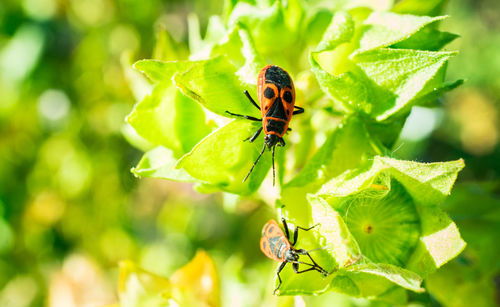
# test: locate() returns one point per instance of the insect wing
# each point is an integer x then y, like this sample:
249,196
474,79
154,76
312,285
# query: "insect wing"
267,92
287,95
273,241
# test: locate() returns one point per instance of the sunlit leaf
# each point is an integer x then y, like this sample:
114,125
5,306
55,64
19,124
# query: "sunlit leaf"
398,76
340,30
224,158
215,85
382,29
168,118
160,162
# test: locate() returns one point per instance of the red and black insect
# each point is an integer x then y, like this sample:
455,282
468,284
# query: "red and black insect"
277,103
276,245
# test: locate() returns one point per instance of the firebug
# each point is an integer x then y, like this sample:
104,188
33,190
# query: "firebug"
276,94
275,244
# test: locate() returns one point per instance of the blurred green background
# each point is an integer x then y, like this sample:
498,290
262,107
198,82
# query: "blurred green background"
70,209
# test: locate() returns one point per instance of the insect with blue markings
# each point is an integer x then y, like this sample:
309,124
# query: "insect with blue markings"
275,244
276,94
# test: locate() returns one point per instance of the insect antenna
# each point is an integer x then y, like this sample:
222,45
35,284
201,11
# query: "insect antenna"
260,155
274,147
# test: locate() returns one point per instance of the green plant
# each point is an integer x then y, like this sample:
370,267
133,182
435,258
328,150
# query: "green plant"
359,69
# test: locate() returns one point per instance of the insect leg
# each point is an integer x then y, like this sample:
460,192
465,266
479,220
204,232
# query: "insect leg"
274,172
296,268
260,155
245,116
285,226
253,137
282,142
281,267
296,232
318,268
312,267
251,100
298,111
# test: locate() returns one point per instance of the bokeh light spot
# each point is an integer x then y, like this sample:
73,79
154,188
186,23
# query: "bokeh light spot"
53,105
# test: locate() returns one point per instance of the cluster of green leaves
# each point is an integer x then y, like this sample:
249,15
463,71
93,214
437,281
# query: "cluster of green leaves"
380,218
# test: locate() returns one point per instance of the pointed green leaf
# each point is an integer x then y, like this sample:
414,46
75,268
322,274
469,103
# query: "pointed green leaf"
160,162
396,275
429,98
168,118
215,85
382,29
240,49
340,30
440,241
347,90
167,48
160,71
399,76
267,25
224,158
426,39
427,183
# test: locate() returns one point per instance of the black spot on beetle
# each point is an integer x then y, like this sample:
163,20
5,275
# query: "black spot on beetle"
287,96
268,93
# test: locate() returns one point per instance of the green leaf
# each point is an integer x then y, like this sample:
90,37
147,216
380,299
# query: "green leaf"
168,118
239,47
440,241
214,84
379,281
387,132
399,276
340,256
382,29
223,158
167,48
340,30
426,39
316,24
333,233
429,98
159,162
399,76
347,147
427,183
347,89
160,71
272,26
